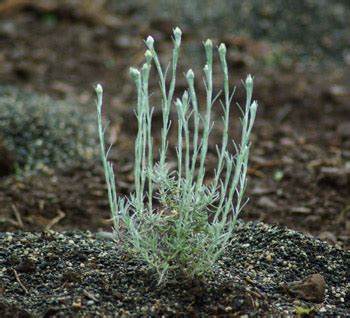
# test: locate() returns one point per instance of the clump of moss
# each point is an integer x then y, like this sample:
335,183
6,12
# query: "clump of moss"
45,133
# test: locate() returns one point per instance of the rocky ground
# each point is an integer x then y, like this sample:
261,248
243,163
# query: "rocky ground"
266,270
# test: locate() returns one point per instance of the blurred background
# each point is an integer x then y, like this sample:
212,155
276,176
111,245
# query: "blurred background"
53,53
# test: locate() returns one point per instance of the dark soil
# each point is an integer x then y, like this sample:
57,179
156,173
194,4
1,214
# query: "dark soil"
299,172
78,274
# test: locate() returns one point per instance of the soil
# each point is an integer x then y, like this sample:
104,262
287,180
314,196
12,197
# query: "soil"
299,173
79,274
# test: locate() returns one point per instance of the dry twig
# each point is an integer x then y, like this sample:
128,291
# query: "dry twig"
19,281
19,222
55,220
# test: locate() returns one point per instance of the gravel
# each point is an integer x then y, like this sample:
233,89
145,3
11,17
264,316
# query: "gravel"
80,274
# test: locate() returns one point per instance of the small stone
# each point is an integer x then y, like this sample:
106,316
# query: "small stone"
311,288
265,202
328,237
334,176
117,295
228,309
76,305
300,210
144,309
336,93
269,258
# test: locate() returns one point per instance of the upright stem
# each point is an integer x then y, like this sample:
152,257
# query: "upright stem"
139,144
148,123
107,167
167,98
226,118
208,71
196,120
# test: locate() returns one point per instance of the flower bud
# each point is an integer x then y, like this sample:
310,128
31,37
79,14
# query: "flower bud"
178,103
208,44
149,41
222,49
185,97
177,35
249,82
99,89
135,74
190,75
145,68
148,56
254,106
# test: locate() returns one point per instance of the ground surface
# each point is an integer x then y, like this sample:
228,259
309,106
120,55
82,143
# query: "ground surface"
76,274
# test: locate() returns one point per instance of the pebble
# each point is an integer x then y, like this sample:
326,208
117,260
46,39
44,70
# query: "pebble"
76,305
265,202
228,309
269,257
334,175
300,210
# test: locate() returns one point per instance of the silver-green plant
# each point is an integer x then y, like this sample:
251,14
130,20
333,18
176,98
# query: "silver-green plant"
188,228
